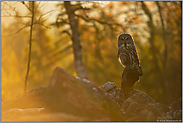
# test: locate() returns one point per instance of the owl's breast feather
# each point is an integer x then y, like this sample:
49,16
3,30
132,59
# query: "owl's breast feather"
121,46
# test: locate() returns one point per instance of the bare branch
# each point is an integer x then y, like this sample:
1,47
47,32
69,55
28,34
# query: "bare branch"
62,22
16,32
61,14
61,51
79,7
56,60
7,12
43,25
36,8
44,15
19,16
26,6
67,32
43,5
9,8
48,12
93,19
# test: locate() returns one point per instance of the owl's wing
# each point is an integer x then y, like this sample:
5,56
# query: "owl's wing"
134,55
118,54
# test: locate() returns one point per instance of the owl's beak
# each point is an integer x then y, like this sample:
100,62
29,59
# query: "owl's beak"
125,43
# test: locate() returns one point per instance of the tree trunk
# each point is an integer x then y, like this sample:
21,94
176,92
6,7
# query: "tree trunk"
153,50
30,46
75,40
164,61
151,40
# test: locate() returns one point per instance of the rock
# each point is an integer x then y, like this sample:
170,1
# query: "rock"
75,95
69,98
138,106
144,115
177,104
108,86
172,115
164,107
111,91
130,75
32,99
71,95
141,107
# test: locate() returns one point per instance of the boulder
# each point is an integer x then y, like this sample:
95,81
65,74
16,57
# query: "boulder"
137,107
141,107
66,95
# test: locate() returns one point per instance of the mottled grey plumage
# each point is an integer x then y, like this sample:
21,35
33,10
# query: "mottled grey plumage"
127,54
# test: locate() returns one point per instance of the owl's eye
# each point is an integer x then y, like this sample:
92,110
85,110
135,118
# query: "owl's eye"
120,43
122,38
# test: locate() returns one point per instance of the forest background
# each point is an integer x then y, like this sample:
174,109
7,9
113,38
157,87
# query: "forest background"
156,28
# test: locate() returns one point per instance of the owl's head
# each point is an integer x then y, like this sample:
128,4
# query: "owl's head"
124,39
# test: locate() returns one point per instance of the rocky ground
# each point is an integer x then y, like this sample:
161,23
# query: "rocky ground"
69,98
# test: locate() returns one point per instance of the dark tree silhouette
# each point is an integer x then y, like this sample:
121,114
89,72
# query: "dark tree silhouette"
164,60
30,45
32,8
73,20
75,40
161,70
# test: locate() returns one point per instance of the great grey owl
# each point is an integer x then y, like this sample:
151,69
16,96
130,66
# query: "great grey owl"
127,54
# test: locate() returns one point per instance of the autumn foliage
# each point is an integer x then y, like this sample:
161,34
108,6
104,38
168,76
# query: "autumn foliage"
158,45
